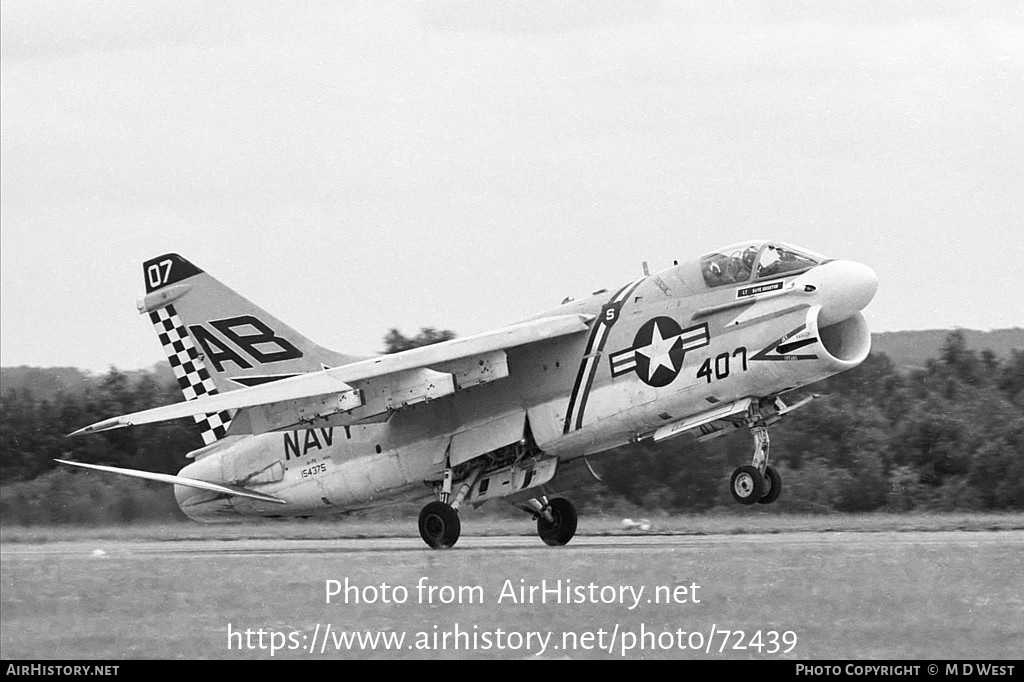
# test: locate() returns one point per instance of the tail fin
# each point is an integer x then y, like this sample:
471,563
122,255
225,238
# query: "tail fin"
216,340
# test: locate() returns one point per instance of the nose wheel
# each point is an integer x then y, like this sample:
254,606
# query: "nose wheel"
760,482
773,485
747,485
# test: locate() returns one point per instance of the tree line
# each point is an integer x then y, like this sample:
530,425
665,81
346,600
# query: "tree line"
949,436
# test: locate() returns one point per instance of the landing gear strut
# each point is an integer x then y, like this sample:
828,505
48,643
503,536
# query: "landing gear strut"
439,521
759,482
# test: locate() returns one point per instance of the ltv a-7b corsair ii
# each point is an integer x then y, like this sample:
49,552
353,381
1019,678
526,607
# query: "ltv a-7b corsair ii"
295,430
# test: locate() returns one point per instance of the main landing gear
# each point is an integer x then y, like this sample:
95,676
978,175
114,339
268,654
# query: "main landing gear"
440,526
556,519
439,521
759,482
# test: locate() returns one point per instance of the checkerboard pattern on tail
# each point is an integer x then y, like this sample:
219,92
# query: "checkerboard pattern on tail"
190,371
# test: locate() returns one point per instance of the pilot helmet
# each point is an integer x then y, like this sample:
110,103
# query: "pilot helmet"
749,255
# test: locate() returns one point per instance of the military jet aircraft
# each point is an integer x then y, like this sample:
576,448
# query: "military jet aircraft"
295,430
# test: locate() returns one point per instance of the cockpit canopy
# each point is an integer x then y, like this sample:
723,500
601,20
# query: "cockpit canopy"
761,260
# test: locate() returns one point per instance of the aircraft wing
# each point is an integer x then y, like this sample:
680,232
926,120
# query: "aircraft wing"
366,388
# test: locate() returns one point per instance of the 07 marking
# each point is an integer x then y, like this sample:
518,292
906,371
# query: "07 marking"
155,277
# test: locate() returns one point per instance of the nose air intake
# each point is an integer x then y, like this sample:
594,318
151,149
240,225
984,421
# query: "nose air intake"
847,342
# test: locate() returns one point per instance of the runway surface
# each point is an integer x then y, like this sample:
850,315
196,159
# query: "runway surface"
612,543
858,595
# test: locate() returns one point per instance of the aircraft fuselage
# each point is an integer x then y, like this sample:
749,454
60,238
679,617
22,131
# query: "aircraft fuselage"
661,349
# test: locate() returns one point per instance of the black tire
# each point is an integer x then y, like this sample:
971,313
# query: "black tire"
439,525
772,485
747,485
561,530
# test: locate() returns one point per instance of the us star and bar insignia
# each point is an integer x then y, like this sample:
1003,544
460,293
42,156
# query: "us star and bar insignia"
658,351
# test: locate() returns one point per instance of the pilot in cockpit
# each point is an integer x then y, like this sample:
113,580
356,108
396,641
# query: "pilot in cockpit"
713,273
764,260
748,258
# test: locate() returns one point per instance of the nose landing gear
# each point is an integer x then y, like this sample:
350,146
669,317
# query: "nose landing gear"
759,482
747,485
773,485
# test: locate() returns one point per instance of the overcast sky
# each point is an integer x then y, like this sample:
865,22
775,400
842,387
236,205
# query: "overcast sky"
353,167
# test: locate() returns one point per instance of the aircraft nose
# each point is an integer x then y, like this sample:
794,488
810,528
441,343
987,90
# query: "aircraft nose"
845,288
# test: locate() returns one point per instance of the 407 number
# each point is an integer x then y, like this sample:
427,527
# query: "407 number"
718,367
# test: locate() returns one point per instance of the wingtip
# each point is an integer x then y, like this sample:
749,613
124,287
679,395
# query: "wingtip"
80,465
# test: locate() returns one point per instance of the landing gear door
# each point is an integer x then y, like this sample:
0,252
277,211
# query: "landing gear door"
487,437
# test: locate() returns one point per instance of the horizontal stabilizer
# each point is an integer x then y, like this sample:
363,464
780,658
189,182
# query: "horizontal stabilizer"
180,480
